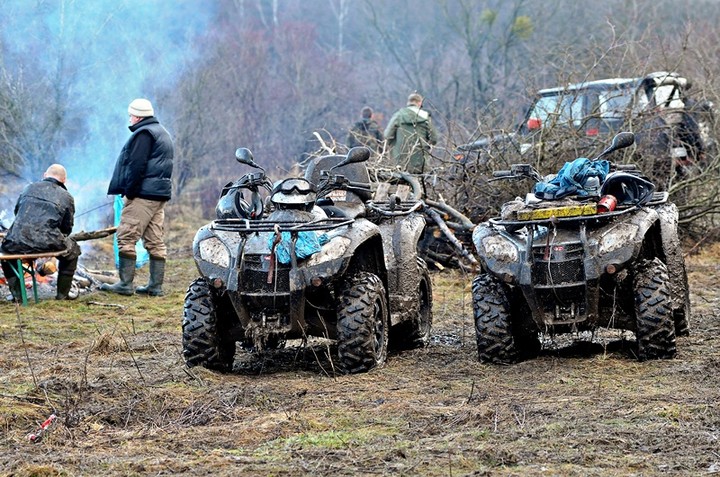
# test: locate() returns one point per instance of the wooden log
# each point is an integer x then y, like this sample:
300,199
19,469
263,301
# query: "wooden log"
96,234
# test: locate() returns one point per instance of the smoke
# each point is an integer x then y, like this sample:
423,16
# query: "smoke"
97,56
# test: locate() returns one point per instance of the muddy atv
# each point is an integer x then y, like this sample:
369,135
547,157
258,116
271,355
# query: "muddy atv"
610,259
327,262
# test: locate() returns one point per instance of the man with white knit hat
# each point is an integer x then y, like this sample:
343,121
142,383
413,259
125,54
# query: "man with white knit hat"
142,176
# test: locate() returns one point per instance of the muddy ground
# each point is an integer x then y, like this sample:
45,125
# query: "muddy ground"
111,369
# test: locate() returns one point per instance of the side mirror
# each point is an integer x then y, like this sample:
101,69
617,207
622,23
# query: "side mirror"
623,140
620,141
354,155
244,156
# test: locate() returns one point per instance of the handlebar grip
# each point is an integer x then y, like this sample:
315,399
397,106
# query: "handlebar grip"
359,185
626,167
502,173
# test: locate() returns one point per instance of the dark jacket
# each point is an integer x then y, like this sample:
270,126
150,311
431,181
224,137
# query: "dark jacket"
365,132
409,134
44,216
144,166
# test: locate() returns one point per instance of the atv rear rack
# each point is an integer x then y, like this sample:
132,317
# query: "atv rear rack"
246,226
394,210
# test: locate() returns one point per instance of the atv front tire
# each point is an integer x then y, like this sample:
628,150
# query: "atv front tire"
653,311
362,328
493,327
203,344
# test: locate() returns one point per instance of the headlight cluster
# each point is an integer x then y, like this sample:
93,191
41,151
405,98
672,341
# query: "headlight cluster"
214,251
500,248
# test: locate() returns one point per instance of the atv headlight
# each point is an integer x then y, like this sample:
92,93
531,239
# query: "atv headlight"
214,251
500,249
620,235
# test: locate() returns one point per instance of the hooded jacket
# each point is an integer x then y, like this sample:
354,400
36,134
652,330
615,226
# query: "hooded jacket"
44,216
144,166
409,134
365,132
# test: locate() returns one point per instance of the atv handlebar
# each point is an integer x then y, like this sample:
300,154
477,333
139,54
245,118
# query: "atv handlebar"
518,171
331,182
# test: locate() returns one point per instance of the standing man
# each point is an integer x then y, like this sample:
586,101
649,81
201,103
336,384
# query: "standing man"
366,132
410,134
143,176
44,216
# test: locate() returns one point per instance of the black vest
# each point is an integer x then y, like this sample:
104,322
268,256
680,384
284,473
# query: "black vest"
156,183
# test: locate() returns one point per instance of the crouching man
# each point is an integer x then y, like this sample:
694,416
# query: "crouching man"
44,216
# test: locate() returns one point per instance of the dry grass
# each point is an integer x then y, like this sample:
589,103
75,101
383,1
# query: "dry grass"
128,406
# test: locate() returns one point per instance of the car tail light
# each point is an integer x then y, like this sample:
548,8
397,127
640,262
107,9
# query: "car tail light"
592,132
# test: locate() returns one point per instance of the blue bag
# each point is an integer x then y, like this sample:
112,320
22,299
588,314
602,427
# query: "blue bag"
571,179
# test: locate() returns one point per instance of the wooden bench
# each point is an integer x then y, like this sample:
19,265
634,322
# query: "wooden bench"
19,268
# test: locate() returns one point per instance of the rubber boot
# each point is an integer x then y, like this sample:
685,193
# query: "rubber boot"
64,284
126,270
157,275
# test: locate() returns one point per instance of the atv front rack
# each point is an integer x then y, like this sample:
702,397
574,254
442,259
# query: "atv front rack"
579,212
247,226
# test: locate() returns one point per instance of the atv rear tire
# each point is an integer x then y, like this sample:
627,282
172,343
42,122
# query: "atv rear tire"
653,312
493,327
362,328
203,344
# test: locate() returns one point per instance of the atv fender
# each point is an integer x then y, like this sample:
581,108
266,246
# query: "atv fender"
621,241
674,258
400,239
340,250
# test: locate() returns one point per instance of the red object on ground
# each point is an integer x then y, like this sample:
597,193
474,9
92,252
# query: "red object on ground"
37,435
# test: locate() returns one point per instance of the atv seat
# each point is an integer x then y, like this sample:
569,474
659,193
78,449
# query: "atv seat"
356,172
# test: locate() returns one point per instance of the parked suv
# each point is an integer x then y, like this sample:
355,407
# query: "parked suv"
672,129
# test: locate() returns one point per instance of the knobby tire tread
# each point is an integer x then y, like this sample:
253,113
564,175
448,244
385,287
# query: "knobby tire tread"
361,302
653,311
493,325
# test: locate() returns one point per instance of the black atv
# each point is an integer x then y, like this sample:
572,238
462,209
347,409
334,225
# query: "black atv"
326,262
581,263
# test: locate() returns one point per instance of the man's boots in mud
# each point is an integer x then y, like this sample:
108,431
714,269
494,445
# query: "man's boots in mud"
64,285
126,270
157,275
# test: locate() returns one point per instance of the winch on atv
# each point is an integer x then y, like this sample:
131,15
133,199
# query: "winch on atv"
326,261
602,253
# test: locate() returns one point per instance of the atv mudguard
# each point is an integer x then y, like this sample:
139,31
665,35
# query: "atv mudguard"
672,247
400,238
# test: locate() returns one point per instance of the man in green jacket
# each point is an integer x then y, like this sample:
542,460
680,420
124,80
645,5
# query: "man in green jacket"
410,134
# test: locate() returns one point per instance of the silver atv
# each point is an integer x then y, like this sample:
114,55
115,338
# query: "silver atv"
580,264
326,261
